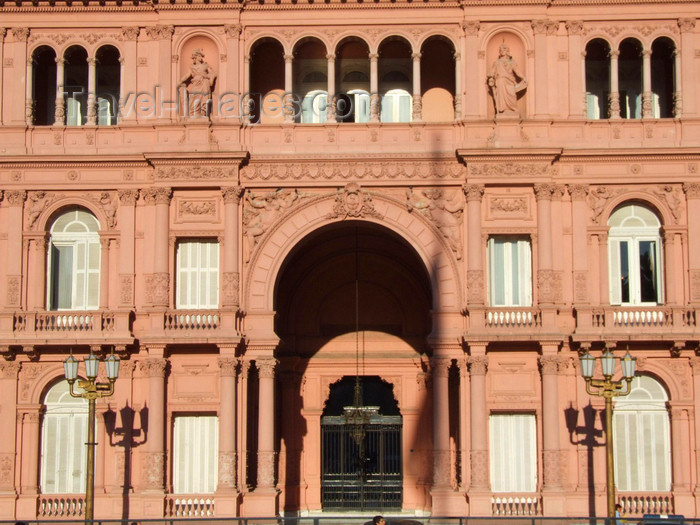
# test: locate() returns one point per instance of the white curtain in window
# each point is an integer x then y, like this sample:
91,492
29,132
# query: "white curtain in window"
314,107
63,438
513,447
195,454
510,272
642,438
198,275
397,105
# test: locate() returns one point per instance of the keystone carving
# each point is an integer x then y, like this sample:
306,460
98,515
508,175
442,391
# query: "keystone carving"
353,203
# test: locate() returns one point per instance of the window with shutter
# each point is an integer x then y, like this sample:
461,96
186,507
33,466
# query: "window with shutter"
513,461
63,437
510,271
642,438
197,275
195,454
74,262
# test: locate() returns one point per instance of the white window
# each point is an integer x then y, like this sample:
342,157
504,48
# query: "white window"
63,437
104,111
314,107
510,271
642,438
74,116
195,454
397,106
353,106
198,275
74,262
513,447
634,245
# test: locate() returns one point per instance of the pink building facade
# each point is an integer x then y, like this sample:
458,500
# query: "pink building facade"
450,200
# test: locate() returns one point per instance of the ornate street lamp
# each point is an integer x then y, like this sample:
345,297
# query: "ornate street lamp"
91,390
608,389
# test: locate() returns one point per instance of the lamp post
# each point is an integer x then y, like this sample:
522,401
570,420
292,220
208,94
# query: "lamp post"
91,390
608,389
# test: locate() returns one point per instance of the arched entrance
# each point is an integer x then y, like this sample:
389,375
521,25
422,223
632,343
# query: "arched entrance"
324,345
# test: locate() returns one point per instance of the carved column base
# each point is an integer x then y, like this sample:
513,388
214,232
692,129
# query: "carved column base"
153,471
614,104
228,466
480,470
441,469
646,105
266,469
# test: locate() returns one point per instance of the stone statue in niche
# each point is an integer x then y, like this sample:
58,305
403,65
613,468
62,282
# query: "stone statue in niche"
199,83
506,83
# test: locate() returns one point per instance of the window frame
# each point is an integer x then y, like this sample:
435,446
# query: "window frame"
198,273
525,258
183,481
514,481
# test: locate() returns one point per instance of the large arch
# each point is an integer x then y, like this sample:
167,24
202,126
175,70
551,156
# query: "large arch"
315,212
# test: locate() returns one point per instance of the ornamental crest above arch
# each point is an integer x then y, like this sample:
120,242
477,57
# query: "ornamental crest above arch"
666,199
42,205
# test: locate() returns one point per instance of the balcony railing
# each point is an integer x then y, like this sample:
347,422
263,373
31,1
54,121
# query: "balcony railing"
61,506
192,320
525,504
640,503
189,506
85,325
74,322
513,317
636,320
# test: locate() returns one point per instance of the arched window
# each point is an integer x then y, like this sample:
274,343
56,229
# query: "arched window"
108,78
597,78
663,76
75,85
634,245
43,86
63,437
74,262
642,438
630,78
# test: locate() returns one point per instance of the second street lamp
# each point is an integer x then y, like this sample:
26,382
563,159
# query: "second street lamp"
91,390
608,389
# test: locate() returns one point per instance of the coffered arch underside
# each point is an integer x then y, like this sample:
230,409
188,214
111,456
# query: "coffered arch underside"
429,244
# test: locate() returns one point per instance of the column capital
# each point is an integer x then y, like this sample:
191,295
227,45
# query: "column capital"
157,195
416,57
539,27
233,30
153,367
20,34
471,27
228,366
614,53
160,32
92,61
686,25
266,367
440,366
692,190
15,197
130,33
373,57
9,369
128,197
473,192
544,191
232,194
330,57
646,53
574,27
578,192
477,364
549,364
288,58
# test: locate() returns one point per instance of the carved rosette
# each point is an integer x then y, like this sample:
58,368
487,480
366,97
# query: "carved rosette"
478,365
549,364
266,367
152,469
551,461
128,197
473,192
266,468
353,202
232,194
475,286
9,370
160,283
441,468
230,282
228,465
153,367
228,366
480,469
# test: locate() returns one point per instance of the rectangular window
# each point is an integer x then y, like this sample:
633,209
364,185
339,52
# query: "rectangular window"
513,447
634,271
198,275
63,453
195,454
510,271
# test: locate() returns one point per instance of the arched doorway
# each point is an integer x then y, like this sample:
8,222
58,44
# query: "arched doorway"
324,345
361,465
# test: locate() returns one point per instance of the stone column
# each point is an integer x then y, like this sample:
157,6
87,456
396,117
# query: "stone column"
330,111
692,195
241,427
91,109
266,423
9,371
28,90
478,363
549,367
604,293
248,103
160,279
126,221
288,88
127,82
539,28
373,87
230,275
475,101
232,83
13,55
464,418
458,81
646,84
475,273
577,76
417,100
14,200
677,80
104,272
29,422
38,265
160,51
689,82
614,95
695,367
3,32
60,110
680,447
669,253
228,464
546,284
580,242
153,458
441,423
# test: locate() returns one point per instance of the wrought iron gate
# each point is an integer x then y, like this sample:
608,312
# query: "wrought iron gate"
361,470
